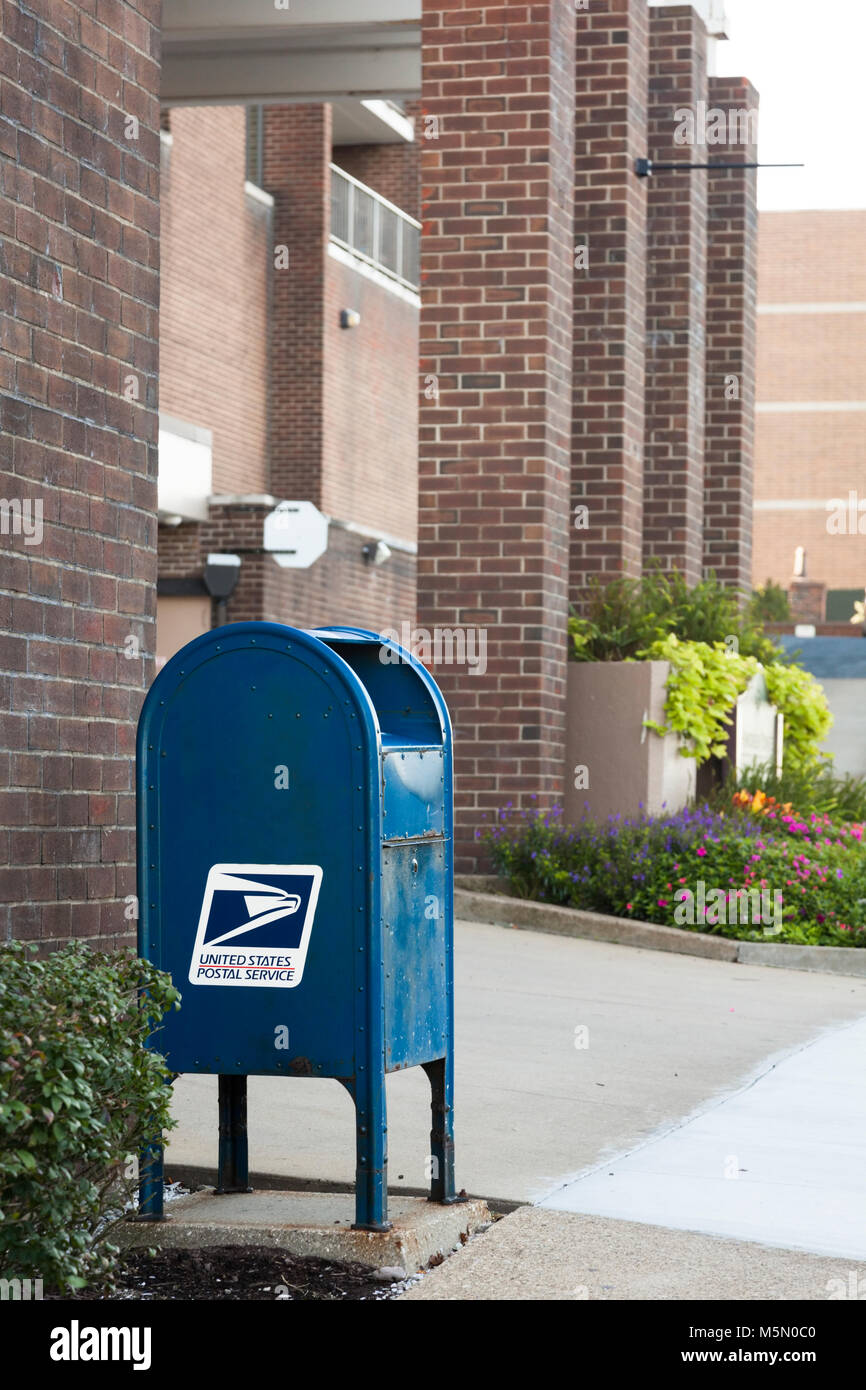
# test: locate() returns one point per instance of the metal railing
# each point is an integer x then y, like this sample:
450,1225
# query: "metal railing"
373,229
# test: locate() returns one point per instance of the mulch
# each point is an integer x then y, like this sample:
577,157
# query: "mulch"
238,1273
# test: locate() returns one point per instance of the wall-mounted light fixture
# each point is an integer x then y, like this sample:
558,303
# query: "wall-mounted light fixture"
376,554
349,318
221,575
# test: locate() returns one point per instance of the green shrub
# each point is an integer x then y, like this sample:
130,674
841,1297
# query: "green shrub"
770,604
79,1094
801,699
705,683
626,615
703,686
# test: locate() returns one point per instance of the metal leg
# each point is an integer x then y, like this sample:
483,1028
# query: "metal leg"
151,1188
441,1077
233,1173
371,1172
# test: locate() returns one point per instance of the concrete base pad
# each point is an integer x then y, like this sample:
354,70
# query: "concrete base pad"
312,1223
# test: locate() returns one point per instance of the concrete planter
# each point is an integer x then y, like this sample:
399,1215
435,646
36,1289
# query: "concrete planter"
626,764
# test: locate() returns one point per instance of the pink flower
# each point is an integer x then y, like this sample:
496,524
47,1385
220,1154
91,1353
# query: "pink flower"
701,852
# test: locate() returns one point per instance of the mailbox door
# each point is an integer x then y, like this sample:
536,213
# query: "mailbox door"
415,910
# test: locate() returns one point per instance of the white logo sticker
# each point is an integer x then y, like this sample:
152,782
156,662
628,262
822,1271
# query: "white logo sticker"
255,925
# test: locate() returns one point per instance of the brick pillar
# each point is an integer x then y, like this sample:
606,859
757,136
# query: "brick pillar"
296,156
496,330
79,220
807,600
732,280
676,309
609,297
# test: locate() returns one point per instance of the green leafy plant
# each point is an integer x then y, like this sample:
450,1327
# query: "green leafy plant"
769,604
703,686
626,615
79,1094
800,698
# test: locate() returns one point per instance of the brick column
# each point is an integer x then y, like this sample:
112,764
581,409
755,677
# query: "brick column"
609,291
732,280
296,156
79,221
676,309
496,330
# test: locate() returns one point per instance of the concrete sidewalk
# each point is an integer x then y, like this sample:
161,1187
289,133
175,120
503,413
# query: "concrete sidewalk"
657,1037
551,1255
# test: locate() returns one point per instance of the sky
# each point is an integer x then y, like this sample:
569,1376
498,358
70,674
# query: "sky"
806,58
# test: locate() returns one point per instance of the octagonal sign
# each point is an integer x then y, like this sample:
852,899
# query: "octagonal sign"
296,534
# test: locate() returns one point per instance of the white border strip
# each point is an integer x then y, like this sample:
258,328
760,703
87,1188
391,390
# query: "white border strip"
809,407
852,307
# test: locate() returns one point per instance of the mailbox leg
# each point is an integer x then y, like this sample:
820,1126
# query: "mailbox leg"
371,1171
233,1175
441,1077
151,1187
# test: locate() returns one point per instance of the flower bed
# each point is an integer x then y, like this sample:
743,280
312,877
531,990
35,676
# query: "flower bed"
755,871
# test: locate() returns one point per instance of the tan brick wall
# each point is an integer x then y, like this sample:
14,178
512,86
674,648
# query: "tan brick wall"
370,435
810,258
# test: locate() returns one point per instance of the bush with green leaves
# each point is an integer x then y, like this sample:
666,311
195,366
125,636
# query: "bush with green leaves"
801,699
79,1094
703,686
626,615
769,604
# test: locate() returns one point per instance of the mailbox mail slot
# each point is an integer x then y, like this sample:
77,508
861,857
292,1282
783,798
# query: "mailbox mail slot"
296,879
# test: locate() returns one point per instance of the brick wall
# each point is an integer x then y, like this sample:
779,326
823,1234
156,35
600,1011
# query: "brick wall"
496,328
79,219
676,303
370,403
732,252
810,265
216,259
609,292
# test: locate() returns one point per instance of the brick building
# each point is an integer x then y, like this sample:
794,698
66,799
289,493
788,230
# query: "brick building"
811,426
585,338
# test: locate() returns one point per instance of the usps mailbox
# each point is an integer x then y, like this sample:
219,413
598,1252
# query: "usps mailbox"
295,878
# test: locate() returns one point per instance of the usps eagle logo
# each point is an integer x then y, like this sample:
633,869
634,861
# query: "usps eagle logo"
255,925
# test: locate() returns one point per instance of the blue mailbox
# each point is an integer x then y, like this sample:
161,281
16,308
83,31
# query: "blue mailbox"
295,878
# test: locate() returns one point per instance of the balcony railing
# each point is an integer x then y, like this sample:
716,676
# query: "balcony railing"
373,229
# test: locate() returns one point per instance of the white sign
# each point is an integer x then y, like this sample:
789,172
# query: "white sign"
296,534
255,925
